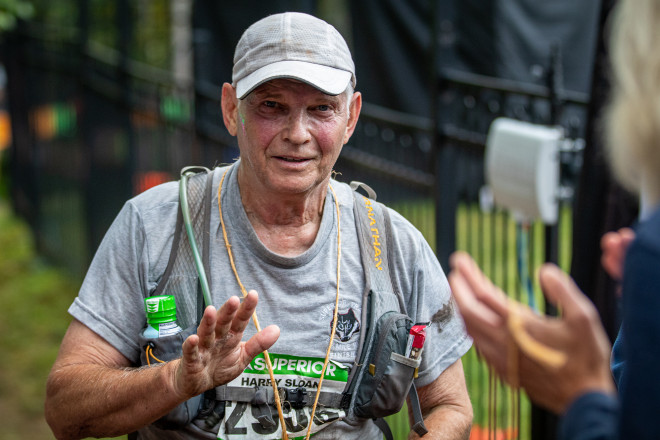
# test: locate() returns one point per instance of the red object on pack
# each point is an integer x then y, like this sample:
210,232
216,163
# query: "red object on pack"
418,336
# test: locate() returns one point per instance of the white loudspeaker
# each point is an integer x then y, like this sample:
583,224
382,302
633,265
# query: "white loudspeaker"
522,168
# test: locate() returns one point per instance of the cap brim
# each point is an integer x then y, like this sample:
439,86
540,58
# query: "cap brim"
327,79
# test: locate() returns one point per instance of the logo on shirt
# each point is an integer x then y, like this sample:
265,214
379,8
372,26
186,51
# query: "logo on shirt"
346,337
347,325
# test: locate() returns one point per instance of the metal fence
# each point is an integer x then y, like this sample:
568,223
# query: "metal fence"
93,128
508,252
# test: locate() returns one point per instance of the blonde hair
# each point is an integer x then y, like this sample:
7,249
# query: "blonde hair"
633,117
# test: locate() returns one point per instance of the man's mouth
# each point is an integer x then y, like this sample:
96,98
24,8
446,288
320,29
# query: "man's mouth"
291,159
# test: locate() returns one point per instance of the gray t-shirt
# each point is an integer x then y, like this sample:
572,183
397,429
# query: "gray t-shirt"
297,294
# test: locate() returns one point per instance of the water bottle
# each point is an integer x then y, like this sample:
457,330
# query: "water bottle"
161,317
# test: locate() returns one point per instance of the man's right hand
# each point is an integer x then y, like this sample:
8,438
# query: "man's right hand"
93,391
216,354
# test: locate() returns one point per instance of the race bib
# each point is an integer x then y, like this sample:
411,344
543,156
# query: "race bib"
241,418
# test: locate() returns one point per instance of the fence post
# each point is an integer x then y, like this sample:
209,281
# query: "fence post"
446,199
22,185
125,25
544,423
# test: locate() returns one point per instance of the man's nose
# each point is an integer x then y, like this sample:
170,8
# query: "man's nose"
297,130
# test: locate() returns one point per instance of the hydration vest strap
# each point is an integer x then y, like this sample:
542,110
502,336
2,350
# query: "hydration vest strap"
265,395
418,420
384,428
174,251
355,185
375,233
371,218
206,234
260,402
178,279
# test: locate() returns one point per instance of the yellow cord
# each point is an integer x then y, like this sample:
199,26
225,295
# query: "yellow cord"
541,353
334,319
256,322
254,315
150,353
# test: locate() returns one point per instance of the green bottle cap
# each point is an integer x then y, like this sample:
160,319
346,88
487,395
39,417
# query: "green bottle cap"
160,309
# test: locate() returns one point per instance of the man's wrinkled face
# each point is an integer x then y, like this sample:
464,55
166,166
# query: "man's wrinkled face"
290,135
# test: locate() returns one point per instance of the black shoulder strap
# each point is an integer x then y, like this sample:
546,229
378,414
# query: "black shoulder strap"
416,409
173,253
375,235
180,277
384,428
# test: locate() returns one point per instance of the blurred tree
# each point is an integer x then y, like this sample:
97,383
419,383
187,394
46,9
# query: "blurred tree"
13,10
182,40
61,13
151,32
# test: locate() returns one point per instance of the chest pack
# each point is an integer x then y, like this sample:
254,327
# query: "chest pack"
381,376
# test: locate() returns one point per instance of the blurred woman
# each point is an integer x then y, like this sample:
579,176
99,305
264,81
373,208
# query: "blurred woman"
563,363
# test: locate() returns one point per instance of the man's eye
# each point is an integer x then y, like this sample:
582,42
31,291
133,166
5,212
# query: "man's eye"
323,108
270,104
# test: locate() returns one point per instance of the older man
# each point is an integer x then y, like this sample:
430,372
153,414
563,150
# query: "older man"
280,225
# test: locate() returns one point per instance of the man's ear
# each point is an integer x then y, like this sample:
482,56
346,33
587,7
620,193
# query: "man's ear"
355,106
229,108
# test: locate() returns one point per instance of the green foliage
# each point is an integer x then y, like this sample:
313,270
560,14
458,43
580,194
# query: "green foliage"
147,31
152,35
33,319
61,13
399,423
103,24
13,10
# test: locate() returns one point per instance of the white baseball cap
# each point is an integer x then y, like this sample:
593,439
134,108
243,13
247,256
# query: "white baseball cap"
292,45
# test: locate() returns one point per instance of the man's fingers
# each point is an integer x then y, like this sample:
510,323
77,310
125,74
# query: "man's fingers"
245,311
190,348
225,316
206,328
263,340
234,315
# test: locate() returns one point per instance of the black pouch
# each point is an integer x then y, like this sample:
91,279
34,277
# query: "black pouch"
166,349
211,412
386,373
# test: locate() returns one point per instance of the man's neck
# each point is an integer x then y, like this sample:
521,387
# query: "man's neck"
287,224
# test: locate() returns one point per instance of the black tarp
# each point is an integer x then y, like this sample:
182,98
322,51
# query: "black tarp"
391,41
509,39
218,25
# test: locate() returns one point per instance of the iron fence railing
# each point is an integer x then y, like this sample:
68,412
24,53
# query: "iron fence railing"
509,252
